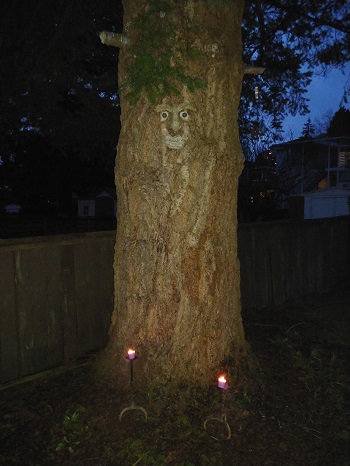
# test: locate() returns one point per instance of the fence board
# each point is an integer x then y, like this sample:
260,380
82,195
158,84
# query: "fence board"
94,285
106,288
69,309
8,328
54,291
31,311
87,290
24,312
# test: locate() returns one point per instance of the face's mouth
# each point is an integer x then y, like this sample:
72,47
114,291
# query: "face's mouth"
174,142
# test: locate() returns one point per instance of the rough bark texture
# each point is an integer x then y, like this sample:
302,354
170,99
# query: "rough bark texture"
177,279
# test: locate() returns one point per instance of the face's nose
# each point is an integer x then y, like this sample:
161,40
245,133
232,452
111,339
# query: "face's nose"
176,123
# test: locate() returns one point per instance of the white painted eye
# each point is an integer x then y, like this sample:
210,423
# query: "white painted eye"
184,115
164,116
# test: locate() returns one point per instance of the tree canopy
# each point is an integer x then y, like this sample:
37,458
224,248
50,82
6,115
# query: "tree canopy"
289,38
59,81
58,95
308,129
340,123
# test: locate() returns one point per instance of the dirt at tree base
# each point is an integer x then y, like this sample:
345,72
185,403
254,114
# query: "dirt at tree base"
298,415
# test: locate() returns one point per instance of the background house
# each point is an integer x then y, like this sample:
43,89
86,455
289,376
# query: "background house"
96,209
314,176
257,189
323,203
95,203
12,209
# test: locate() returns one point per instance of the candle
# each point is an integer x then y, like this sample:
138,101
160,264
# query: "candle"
222,383
131,353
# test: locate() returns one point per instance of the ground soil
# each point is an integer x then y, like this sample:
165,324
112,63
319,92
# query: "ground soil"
296,413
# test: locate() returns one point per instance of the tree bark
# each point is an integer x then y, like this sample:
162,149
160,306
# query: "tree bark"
177,277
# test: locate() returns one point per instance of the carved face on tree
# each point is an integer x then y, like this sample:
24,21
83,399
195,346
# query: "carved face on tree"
174,123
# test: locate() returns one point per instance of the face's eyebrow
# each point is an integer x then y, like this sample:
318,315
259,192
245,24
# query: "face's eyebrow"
186,106
164,108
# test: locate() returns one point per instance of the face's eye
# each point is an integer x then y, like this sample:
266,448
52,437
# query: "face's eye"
184,115
164,116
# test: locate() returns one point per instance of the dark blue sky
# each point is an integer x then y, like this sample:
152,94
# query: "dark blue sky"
325,93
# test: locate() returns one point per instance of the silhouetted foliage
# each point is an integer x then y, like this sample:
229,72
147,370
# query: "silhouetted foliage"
308,130
60,114
340,123
288,38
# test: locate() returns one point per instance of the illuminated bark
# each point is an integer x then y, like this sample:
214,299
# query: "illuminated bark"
177,278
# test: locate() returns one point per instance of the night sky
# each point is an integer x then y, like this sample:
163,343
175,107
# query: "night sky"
325,93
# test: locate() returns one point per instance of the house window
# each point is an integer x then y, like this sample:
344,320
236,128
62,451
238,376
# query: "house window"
86,210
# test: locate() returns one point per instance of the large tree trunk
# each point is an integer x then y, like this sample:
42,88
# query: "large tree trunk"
177,278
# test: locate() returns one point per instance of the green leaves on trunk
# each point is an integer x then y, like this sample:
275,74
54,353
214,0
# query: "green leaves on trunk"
157,67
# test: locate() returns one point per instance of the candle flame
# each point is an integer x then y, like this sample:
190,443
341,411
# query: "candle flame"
222,379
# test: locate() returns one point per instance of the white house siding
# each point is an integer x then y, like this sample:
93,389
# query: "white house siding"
86,208
326,203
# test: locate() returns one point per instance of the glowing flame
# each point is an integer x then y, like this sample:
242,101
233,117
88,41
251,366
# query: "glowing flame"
222,383
131,353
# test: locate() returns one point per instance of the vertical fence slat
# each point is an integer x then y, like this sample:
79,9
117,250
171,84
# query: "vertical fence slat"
69,309
54,292
24,310
87,291
32,310
106,288
8,329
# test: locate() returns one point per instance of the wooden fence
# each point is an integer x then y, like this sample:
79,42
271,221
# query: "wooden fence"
56,299
283,261
56,293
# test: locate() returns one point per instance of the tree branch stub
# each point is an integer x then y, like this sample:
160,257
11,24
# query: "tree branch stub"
114,39
253,70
